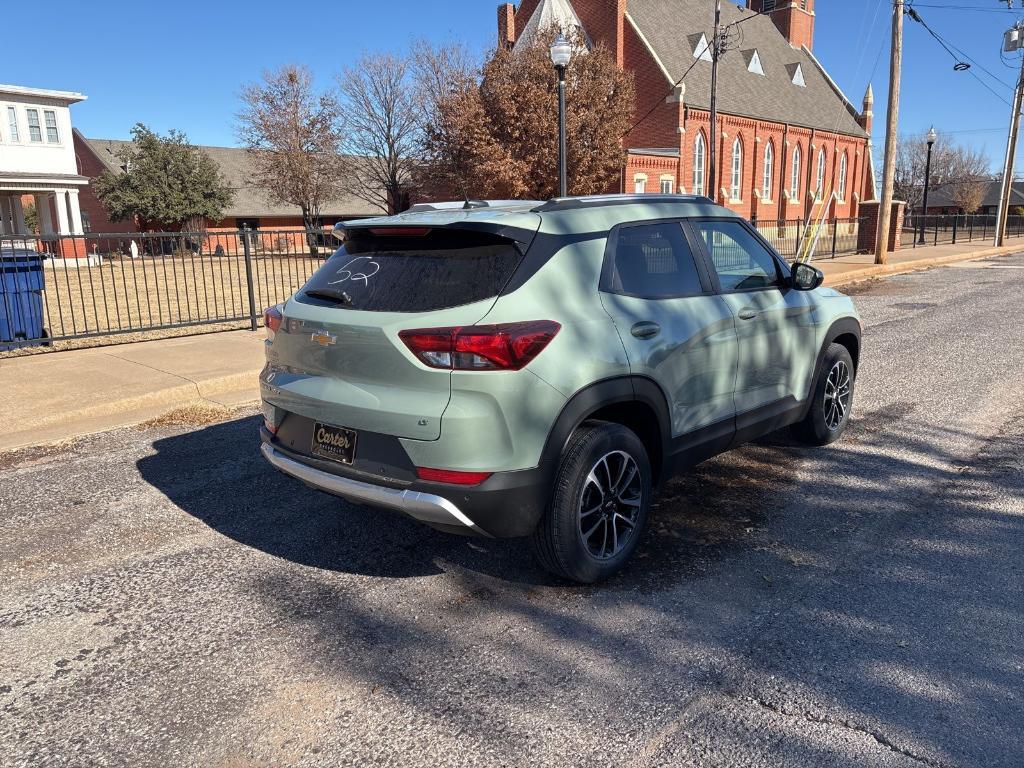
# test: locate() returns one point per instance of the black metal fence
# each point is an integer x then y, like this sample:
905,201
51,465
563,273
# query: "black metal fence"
940,229
837,236
105,284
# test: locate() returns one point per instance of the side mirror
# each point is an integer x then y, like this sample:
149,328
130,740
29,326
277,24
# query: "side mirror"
805,277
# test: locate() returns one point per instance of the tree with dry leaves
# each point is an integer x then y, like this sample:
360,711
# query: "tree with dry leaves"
293,137
499,137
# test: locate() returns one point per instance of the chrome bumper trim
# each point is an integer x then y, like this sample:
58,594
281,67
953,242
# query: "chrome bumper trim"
425,507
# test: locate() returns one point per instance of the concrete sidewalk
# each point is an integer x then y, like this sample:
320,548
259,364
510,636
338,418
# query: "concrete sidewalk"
847,269
61,395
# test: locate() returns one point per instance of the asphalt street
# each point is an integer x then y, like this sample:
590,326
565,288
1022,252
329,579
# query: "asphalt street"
167,599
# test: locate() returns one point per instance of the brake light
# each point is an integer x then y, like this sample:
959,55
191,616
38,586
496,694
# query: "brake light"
272,319
400,231
504,347
451,476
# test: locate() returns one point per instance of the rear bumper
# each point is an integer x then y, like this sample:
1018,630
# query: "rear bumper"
425,507
506,505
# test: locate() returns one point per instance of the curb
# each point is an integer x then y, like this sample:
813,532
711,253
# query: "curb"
883,270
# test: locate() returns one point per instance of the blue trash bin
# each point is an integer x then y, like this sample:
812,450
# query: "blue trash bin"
21,298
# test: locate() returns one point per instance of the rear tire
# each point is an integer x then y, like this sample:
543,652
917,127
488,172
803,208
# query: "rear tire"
599,504
831,399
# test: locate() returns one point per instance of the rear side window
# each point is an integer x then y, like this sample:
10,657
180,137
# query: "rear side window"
652,261
419,270
741,262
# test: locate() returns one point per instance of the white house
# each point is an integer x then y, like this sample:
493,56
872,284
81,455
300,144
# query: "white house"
37,157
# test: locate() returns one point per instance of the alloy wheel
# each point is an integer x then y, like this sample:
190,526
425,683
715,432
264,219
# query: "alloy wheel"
837,395
610,503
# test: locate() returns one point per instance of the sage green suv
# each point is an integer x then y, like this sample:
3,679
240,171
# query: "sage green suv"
537,369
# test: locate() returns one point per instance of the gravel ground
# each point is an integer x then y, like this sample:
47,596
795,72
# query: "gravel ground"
166,599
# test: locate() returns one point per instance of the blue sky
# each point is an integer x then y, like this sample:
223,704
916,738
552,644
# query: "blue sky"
181,66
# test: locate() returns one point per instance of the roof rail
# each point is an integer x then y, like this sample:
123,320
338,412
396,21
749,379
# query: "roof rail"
594,201
449,205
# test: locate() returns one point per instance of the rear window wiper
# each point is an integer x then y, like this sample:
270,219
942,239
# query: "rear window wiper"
338,297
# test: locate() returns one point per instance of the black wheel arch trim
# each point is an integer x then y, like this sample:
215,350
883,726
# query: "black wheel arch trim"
593,398
840,327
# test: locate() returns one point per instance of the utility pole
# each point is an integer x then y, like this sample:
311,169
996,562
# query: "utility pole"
1013,40
713,131
892,117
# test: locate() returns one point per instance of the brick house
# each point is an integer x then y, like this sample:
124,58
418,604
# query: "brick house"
250,206
785,129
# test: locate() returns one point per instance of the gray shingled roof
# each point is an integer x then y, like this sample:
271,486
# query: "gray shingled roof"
670,25
249,201
940,197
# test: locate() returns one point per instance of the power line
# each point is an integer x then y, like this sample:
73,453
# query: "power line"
961,65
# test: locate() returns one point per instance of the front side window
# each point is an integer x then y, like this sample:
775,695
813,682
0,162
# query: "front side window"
35,132
842,177
652,261
698,165
769,169
12,123
819,184
52,135
736,180
794,175
740,261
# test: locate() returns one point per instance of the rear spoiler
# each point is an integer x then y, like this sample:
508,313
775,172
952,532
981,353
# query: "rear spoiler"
521,235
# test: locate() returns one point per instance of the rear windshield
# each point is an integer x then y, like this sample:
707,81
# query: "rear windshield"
417,272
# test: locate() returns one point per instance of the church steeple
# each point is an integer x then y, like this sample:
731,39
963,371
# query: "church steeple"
867,115
794,18
552,14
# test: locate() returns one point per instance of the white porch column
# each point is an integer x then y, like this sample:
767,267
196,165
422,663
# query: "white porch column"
63,225
43,212
75,211
18,214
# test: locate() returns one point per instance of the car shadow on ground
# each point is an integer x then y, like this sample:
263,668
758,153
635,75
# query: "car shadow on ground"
871,593
217,475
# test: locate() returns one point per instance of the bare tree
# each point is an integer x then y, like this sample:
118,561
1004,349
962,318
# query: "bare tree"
446,77
959,171
293,137
382,123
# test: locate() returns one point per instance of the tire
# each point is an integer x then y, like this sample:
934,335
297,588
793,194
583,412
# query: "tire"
611,452
828,415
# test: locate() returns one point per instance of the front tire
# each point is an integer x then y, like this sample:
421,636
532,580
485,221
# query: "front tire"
599,505
831,399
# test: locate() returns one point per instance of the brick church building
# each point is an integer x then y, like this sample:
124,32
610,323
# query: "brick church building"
788,136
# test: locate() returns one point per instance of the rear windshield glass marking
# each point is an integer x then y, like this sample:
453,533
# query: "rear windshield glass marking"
355,276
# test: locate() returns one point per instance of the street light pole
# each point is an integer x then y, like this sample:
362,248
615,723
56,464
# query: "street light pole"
561,53
927,181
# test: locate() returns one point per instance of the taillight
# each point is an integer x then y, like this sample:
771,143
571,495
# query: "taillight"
504,347
272,319
451,476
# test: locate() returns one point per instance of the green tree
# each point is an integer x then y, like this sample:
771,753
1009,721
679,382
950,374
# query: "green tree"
32,218
167,183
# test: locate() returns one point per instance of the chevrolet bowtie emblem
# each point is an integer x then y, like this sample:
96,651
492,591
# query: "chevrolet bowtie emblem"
323,338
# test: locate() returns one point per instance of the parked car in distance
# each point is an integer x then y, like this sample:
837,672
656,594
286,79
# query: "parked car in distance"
538,368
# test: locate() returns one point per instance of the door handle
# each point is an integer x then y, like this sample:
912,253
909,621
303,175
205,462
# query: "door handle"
747,313
645,330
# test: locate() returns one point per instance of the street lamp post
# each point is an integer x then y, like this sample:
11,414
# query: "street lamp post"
927,181
561,52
